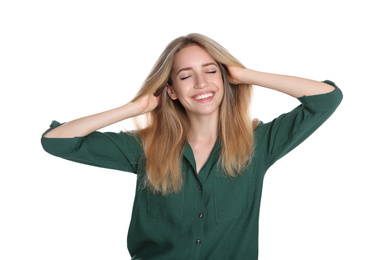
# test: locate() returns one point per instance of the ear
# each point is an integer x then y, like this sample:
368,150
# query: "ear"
171,92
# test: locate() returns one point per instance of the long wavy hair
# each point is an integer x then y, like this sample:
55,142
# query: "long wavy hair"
164,134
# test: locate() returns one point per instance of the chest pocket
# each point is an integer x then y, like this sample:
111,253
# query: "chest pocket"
231,196
168,207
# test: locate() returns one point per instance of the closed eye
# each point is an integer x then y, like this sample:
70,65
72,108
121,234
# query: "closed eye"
184,78
212,72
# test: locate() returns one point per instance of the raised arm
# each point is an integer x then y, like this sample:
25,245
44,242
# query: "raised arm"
293,86
86,125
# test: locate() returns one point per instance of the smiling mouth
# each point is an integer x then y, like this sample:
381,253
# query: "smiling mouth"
204,96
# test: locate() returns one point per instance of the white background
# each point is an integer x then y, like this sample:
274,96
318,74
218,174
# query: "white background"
66,59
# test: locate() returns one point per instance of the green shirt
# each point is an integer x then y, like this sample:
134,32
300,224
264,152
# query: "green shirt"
213,217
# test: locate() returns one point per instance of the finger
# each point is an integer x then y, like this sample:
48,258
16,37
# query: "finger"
158,91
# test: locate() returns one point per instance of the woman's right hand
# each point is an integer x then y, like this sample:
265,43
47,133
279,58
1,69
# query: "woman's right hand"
146,103
86,125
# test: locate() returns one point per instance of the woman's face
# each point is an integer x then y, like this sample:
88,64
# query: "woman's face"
196,81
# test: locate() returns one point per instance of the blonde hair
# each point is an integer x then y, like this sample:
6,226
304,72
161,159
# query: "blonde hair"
165,134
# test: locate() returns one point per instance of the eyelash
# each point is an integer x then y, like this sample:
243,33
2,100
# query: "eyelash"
210,72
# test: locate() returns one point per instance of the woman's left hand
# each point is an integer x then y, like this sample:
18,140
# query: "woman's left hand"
235,75
293,86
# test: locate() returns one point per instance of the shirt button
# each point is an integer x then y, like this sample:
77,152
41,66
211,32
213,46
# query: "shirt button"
200,187
201,215
198,242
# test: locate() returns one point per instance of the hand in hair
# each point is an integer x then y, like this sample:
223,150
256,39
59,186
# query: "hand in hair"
86,125
293,86
146,103
236,75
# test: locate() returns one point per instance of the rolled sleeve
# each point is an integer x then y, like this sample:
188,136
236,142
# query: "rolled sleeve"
60,146
324,102
283,134
118,151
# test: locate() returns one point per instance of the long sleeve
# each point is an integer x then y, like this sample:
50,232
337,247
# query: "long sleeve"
284,133
118,151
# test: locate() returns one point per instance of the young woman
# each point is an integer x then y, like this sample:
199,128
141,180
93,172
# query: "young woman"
200,160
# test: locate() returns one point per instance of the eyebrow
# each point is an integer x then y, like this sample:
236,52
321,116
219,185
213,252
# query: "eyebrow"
204,65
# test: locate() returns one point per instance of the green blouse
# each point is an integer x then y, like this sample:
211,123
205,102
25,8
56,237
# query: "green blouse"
213,217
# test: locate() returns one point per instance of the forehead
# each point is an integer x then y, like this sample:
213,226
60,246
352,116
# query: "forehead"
192,55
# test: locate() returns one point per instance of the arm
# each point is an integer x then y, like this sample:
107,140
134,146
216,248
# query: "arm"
283,134
293,86
79,141
86,125
318,101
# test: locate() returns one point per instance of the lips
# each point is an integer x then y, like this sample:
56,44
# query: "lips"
204,96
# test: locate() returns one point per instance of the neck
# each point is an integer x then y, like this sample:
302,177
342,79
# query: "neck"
203,128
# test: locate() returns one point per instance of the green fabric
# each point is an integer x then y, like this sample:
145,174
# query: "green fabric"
213,217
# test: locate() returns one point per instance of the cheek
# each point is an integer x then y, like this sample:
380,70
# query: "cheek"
182,88
220,84
222,90
219,80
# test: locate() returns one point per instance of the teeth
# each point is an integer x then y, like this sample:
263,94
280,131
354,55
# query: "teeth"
204,96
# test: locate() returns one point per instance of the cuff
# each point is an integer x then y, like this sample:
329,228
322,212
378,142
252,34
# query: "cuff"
323,102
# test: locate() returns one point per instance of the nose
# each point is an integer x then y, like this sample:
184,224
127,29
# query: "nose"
200,82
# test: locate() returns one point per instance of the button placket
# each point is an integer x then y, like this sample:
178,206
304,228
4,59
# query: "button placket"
199,220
